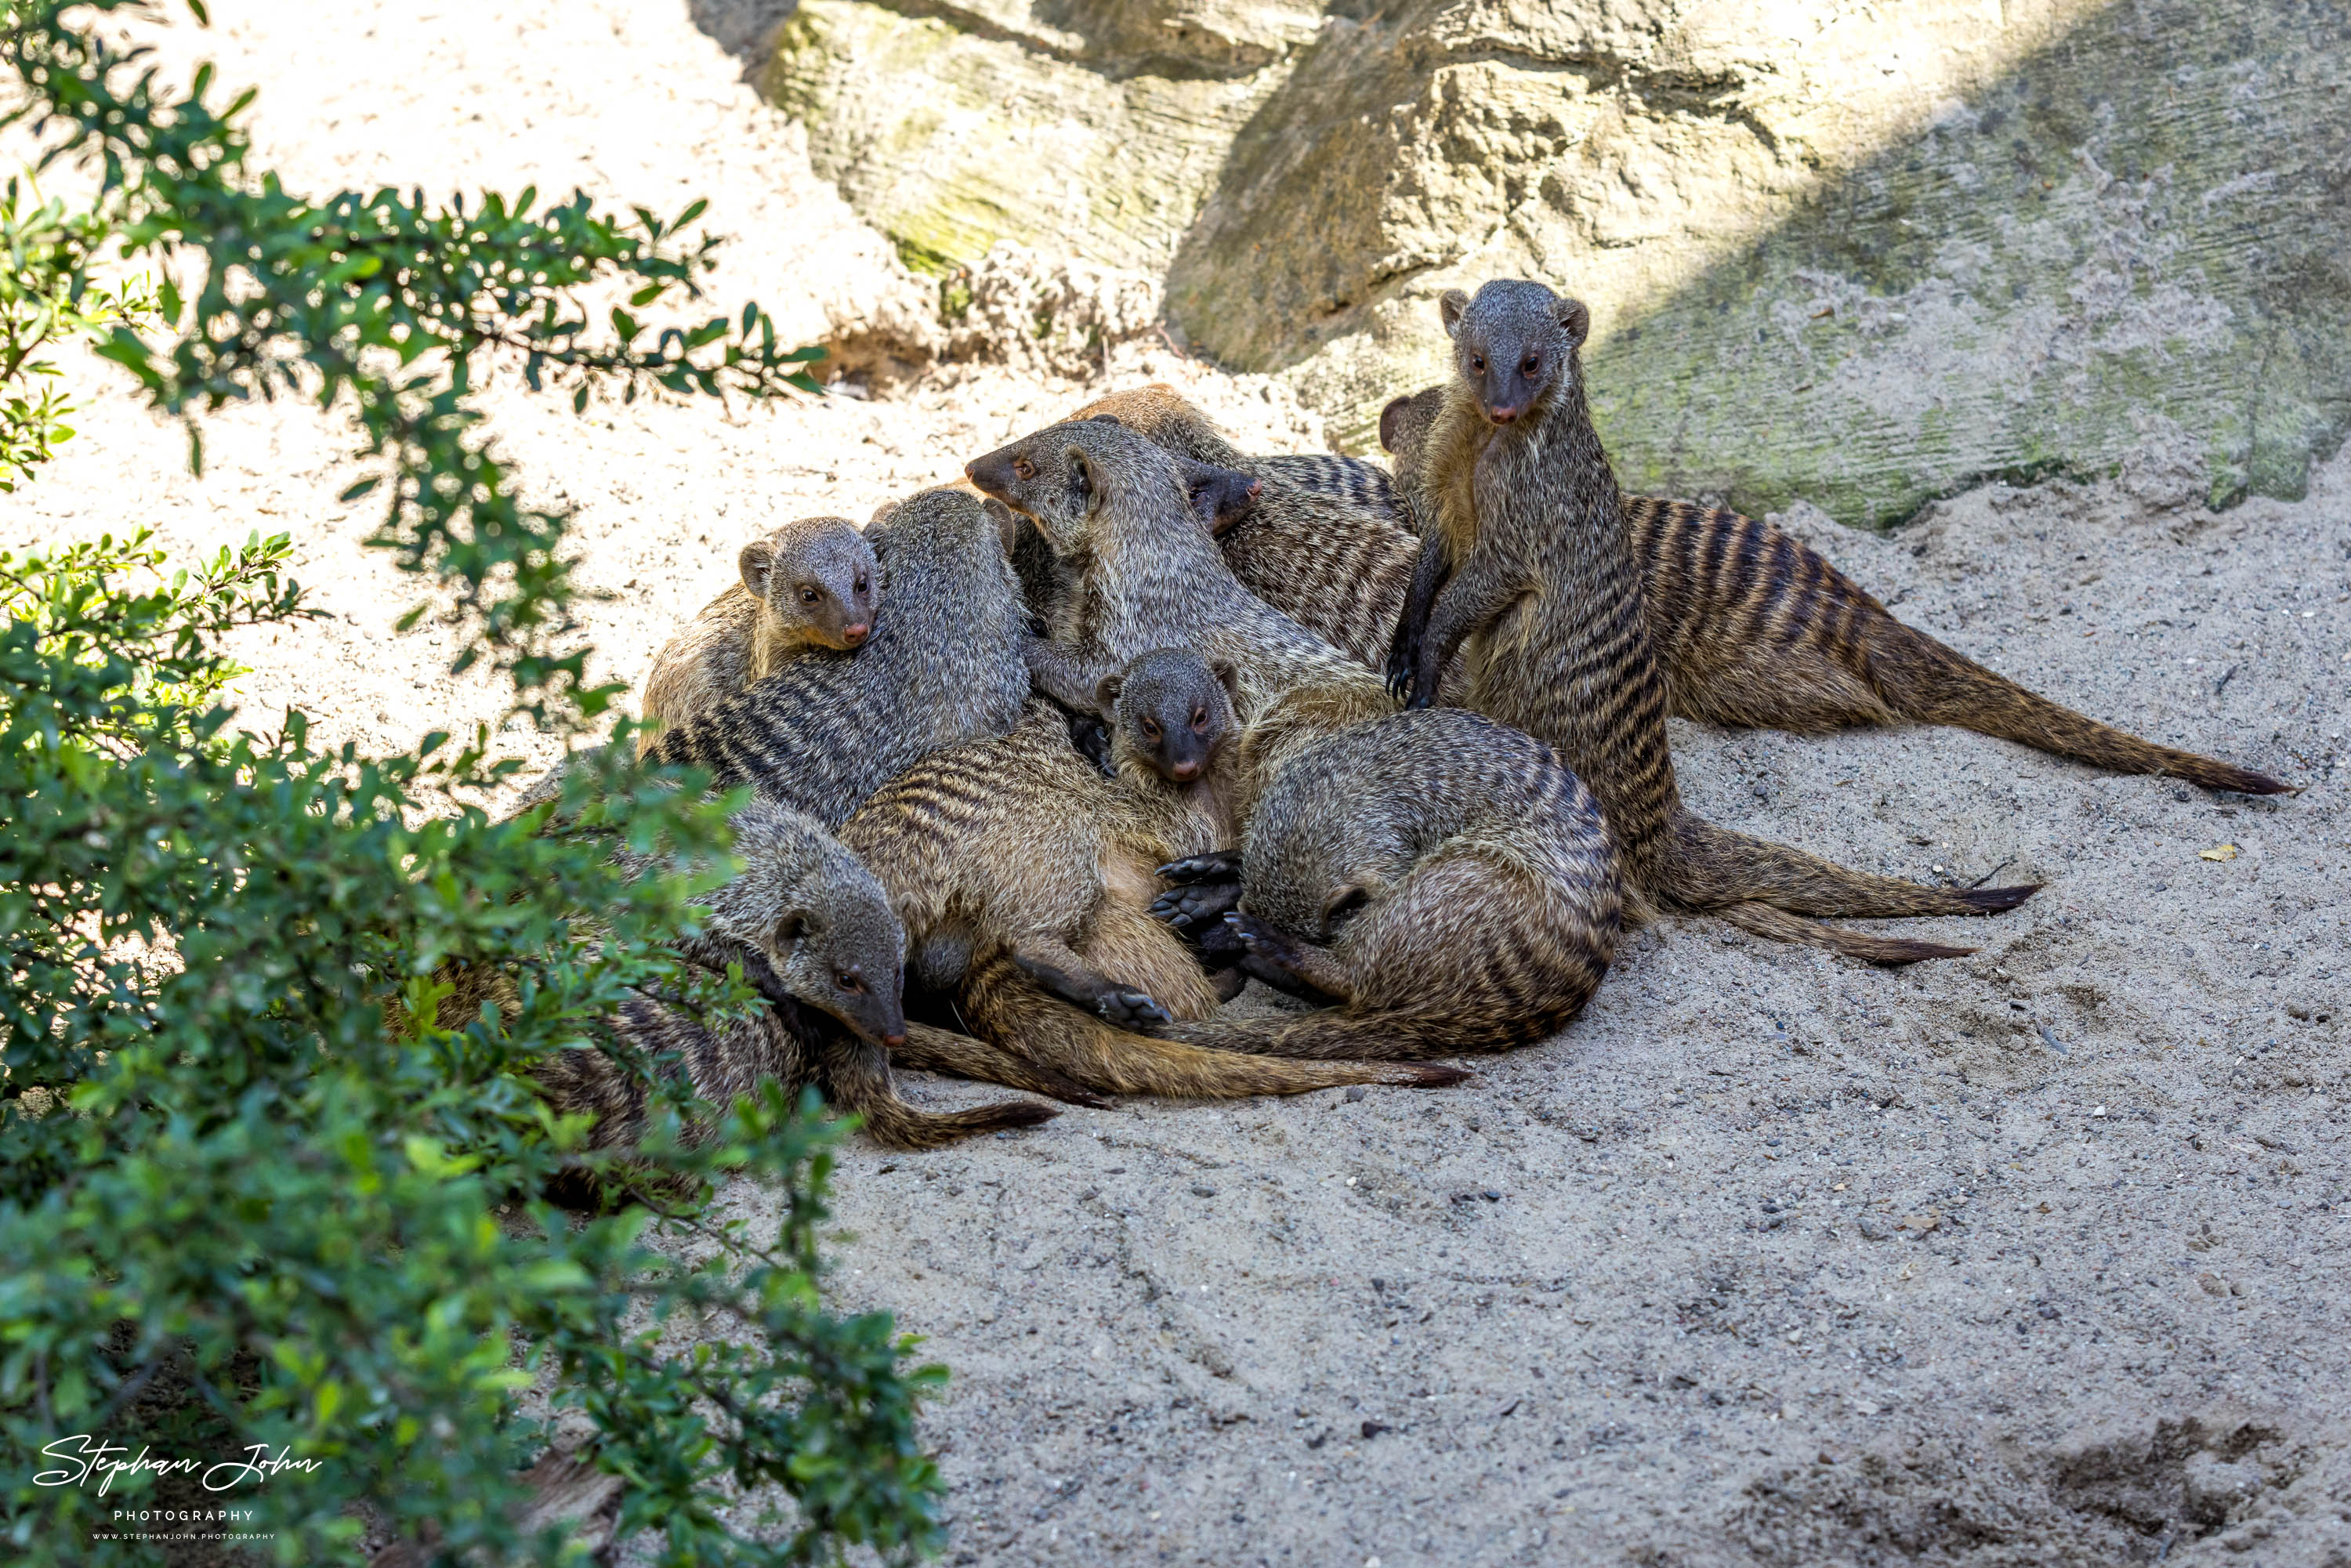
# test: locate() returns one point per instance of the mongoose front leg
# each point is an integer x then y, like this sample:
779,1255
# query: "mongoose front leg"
1486,586
1430,567
1065,975
1062,674
1288,964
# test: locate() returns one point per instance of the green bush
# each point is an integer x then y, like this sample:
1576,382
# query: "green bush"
247,1199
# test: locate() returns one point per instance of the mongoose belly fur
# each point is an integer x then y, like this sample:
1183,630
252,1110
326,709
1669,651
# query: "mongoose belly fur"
1541,582
1442,877
944,665
1008,857
1752,627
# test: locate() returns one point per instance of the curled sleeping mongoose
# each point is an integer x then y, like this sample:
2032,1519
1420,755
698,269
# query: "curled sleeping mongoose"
1438,877
1751,626
814,935
809,585
1535,573
1023,878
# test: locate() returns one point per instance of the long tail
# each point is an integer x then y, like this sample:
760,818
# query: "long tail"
1922,679
944,1050
1715,867
1395,1035
1779,925
1001,1003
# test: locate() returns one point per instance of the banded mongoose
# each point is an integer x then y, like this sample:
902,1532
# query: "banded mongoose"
1142,573
809,585
1536,574
944,665
1752,627
1441,878
813,933
1022,877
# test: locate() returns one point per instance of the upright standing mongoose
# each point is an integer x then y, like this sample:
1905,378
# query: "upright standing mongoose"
1022,877
1752,627
944,665
814,935
1536,575
1439,876
809,585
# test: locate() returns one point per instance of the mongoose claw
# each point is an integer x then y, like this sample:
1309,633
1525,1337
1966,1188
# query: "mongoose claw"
1217,865
1130,1010
1193,908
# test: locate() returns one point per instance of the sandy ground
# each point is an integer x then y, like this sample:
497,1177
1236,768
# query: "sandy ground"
2036,1256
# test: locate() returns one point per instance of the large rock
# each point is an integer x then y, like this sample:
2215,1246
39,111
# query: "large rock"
1866,255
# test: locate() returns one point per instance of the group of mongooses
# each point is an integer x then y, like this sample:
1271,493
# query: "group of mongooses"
1047,763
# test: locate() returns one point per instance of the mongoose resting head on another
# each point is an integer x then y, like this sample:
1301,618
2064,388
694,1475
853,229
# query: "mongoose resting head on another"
1514,344
1171,711
1054,478
822,921
816,581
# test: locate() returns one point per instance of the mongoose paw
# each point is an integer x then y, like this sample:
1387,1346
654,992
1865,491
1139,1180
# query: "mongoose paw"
1272,957
1217,865
1130,1010
1194,908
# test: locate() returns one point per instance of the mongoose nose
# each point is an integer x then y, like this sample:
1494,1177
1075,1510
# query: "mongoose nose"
894,1040
854,632
1501,415
1188,769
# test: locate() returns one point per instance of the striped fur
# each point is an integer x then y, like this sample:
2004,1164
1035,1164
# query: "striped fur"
1009,856
1540,583
1439,876
1752,627
944,665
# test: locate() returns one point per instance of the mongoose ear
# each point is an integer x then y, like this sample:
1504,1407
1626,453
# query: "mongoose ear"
1392,420
1346,903
1106,692
759,557
789,929
1229,676
1103,419
1008,527
1450,307
1082,488
1575,320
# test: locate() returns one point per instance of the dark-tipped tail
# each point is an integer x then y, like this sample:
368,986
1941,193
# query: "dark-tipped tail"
1715,867
1922,679
856,1076
1779,925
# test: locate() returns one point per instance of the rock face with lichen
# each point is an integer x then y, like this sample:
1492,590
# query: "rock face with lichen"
1861,254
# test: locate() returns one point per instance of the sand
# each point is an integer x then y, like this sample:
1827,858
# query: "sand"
2034,1257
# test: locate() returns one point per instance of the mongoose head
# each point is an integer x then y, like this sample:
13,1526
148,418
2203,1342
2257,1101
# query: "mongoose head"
1063,475
818,580
1514,344
1171,711
1404,425
819,918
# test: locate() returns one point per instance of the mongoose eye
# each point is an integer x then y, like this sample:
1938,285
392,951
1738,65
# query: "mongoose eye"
1023,469
849,980
1199,718
1478,364
1534,363
809,596
1150,729
860,582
